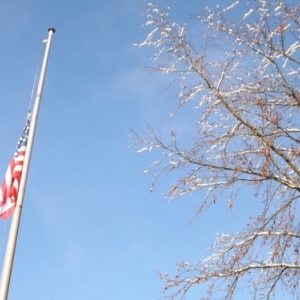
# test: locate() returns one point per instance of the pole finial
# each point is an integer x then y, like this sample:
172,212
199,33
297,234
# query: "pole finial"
51,29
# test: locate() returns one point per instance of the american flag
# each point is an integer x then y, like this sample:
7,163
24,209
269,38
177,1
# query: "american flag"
10,185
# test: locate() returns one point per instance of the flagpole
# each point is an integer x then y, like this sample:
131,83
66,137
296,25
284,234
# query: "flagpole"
14,227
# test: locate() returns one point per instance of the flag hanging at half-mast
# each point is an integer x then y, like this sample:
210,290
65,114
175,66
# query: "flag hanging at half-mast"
10,185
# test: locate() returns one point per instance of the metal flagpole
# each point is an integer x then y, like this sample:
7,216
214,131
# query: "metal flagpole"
14,228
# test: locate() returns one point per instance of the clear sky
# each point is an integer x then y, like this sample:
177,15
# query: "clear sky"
90,228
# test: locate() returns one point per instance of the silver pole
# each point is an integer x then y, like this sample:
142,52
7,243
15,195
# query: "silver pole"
14,227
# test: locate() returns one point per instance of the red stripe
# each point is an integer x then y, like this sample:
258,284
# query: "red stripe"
10,185
7,213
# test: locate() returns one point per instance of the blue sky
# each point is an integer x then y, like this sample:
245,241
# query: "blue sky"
90,228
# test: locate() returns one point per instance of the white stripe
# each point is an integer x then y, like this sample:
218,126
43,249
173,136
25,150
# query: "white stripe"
8,205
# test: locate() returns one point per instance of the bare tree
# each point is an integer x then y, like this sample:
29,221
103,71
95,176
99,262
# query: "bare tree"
242,73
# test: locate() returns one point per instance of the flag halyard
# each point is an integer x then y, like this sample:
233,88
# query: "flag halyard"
10,185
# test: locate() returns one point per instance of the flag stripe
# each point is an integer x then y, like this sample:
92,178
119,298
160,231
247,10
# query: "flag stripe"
10,185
